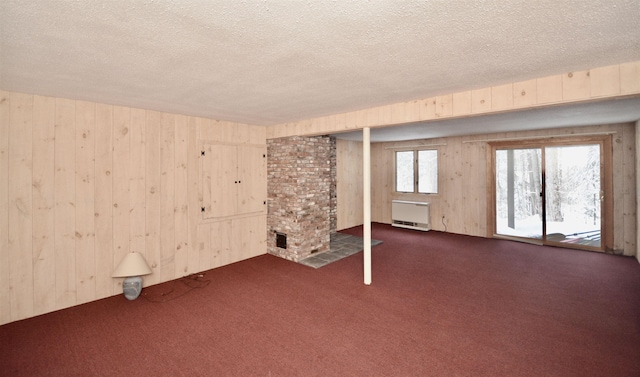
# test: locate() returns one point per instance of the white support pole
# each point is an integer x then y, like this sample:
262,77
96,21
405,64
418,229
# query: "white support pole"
366,194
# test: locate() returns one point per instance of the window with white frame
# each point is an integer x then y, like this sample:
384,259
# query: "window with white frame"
417,171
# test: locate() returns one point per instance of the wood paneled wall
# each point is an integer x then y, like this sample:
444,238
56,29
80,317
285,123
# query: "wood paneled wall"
637,166
599,83
349,184
83,183
462,181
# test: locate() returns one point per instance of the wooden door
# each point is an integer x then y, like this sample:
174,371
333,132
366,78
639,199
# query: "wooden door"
252,179
219,180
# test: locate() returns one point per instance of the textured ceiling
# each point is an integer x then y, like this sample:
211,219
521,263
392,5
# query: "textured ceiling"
269,62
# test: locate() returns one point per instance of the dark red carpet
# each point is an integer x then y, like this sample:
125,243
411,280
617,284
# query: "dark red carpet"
440,305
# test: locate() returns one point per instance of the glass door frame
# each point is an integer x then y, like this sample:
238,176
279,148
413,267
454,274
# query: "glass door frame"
606,174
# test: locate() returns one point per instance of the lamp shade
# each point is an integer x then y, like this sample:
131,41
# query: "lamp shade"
133,264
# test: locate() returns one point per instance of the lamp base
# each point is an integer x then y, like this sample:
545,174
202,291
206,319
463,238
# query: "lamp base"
132,286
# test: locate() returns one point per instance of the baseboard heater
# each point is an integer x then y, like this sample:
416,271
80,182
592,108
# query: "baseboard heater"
410,215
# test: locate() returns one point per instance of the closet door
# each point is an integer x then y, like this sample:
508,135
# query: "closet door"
219,180
252,179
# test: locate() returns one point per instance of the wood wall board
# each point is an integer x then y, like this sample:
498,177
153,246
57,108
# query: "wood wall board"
630,193
21,206
372,116
502,97
364,117
181,216
193,177
605,81
328,121
625,200
230,133
219,131
137,179
399,114
105,261
65,229
377,178
311,125
467,164
475,171
273,132
234,132
618,181
549,89
482,191
257,135
382,179
481,100
258,235
240,241
349,187
461,103
210,130
525,93
205,131
636,169
444,106
43,194
340,122
5,257
576,85
490,192
384,114
249,237
427,110
307,126
630,78
337,122
351,121
241,133
317,124
292,128
121,173
167,197
205,245
450,190
84,208
153,199
301,127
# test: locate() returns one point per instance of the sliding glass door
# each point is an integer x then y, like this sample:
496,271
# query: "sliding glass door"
573,194
518,188
552,194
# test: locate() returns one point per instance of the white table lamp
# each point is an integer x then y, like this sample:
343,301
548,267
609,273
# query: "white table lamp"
132,267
